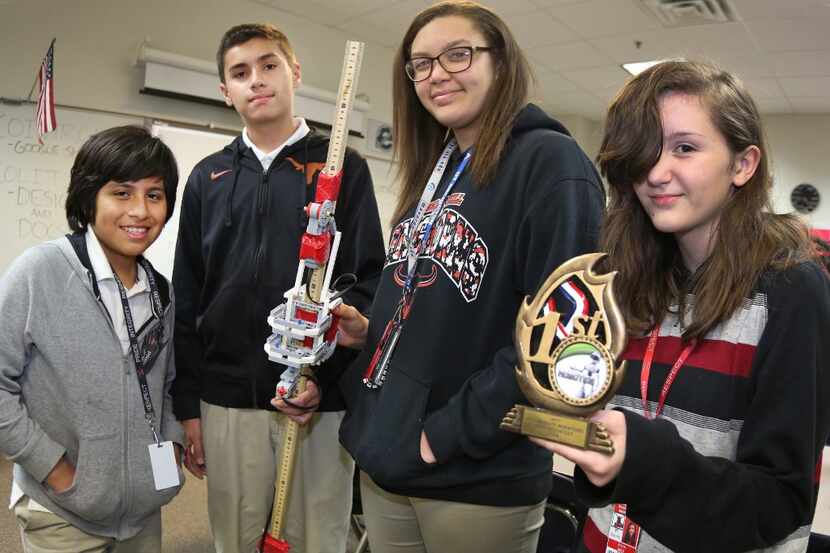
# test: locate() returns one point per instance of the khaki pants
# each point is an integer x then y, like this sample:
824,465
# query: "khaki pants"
398,524
242,452
45,532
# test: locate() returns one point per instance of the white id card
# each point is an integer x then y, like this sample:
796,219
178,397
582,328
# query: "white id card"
165,471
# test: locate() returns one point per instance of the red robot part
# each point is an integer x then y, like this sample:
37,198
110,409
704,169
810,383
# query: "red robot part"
271,544
331,333
328,187
305,315
315,248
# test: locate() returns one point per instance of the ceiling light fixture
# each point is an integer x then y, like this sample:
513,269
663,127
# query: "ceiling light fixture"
635,68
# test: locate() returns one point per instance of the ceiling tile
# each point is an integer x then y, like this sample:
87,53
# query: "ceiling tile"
550,82
396,17
745,66
363,30
357,7
764,88
597,18
549,3
778,105
511,7
632,47
609,76
573,55
780,9
815,87
810,105
578,102
538,29
700,41
317,11
710,39
786,35
801,64
607,94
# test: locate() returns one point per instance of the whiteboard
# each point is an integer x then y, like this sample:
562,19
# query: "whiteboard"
34,178
190,147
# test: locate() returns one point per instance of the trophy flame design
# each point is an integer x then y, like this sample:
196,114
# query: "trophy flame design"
579,352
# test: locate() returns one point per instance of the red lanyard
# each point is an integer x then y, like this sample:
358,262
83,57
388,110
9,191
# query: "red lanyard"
644,373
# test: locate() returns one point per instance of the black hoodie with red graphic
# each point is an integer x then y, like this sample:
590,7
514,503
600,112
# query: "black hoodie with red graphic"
452,374
237,253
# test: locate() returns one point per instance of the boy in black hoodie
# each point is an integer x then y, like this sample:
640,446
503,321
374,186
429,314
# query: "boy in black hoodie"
237,253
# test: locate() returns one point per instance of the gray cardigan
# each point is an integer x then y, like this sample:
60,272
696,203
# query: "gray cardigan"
67,388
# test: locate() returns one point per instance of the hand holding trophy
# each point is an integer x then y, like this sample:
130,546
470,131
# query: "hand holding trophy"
568,338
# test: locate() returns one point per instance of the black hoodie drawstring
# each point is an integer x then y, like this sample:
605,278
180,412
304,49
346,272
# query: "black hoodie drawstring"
236,168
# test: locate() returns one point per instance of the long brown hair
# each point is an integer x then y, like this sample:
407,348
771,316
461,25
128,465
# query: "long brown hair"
749,238
419,137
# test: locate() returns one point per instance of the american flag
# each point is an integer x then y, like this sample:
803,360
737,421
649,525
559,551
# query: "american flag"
45,119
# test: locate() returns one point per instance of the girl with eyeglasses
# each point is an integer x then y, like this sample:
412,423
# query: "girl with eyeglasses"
721,419
494,195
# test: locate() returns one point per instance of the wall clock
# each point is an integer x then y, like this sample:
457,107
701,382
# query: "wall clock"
805,198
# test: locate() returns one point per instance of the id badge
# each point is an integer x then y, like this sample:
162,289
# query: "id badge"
163,461
623,534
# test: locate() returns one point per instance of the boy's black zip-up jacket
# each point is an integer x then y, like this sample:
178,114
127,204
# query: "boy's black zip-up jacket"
238,252
452,375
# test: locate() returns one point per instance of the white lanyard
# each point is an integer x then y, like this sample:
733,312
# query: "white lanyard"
426,199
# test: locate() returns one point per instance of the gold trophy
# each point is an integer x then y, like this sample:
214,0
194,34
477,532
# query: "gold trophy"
568,338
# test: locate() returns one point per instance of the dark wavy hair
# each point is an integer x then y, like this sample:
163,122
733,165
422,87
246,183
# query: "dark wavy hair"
121,154
749,238
419,137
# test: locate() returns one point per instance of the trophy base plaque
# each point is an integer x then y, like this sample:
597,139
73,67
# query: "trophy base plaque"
573,431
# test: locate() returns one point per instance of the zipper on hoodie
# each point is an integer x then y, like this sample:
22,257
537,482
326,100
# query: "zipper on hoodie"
263,201
125,466
263,207
126,496
260,233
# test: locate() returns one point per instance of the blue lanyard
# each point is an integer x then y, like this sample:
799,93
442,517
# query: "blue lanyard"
375,373
412,255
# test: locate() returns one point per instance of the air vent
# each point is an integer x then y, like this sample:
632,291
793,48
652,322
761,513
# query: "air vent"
685,13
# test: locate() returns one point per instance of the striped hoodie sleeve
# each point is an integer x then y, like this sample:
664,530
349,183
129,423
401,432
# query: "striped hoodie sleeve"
733,465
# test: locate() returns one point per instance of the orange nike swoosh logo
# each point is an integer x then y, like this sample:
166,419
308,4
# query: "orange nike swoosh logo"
216,174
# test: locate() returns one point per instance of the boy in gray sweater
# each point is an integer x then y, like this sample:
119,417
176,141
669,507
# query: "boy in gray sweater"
86,360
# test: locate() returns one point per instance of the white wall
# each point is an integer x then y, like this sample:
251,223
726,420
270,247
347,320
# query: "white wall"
587,133
800,147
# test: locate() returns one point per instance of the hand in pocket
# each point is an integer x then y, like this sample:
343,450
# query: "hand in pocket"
62,476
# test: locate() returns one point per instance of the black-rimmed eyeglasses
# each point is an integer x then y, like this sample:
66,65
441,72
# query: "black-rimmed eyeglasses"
453,60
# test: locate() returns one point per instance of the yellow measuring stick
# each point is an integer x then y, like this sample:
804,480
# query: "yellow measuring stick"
274,540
